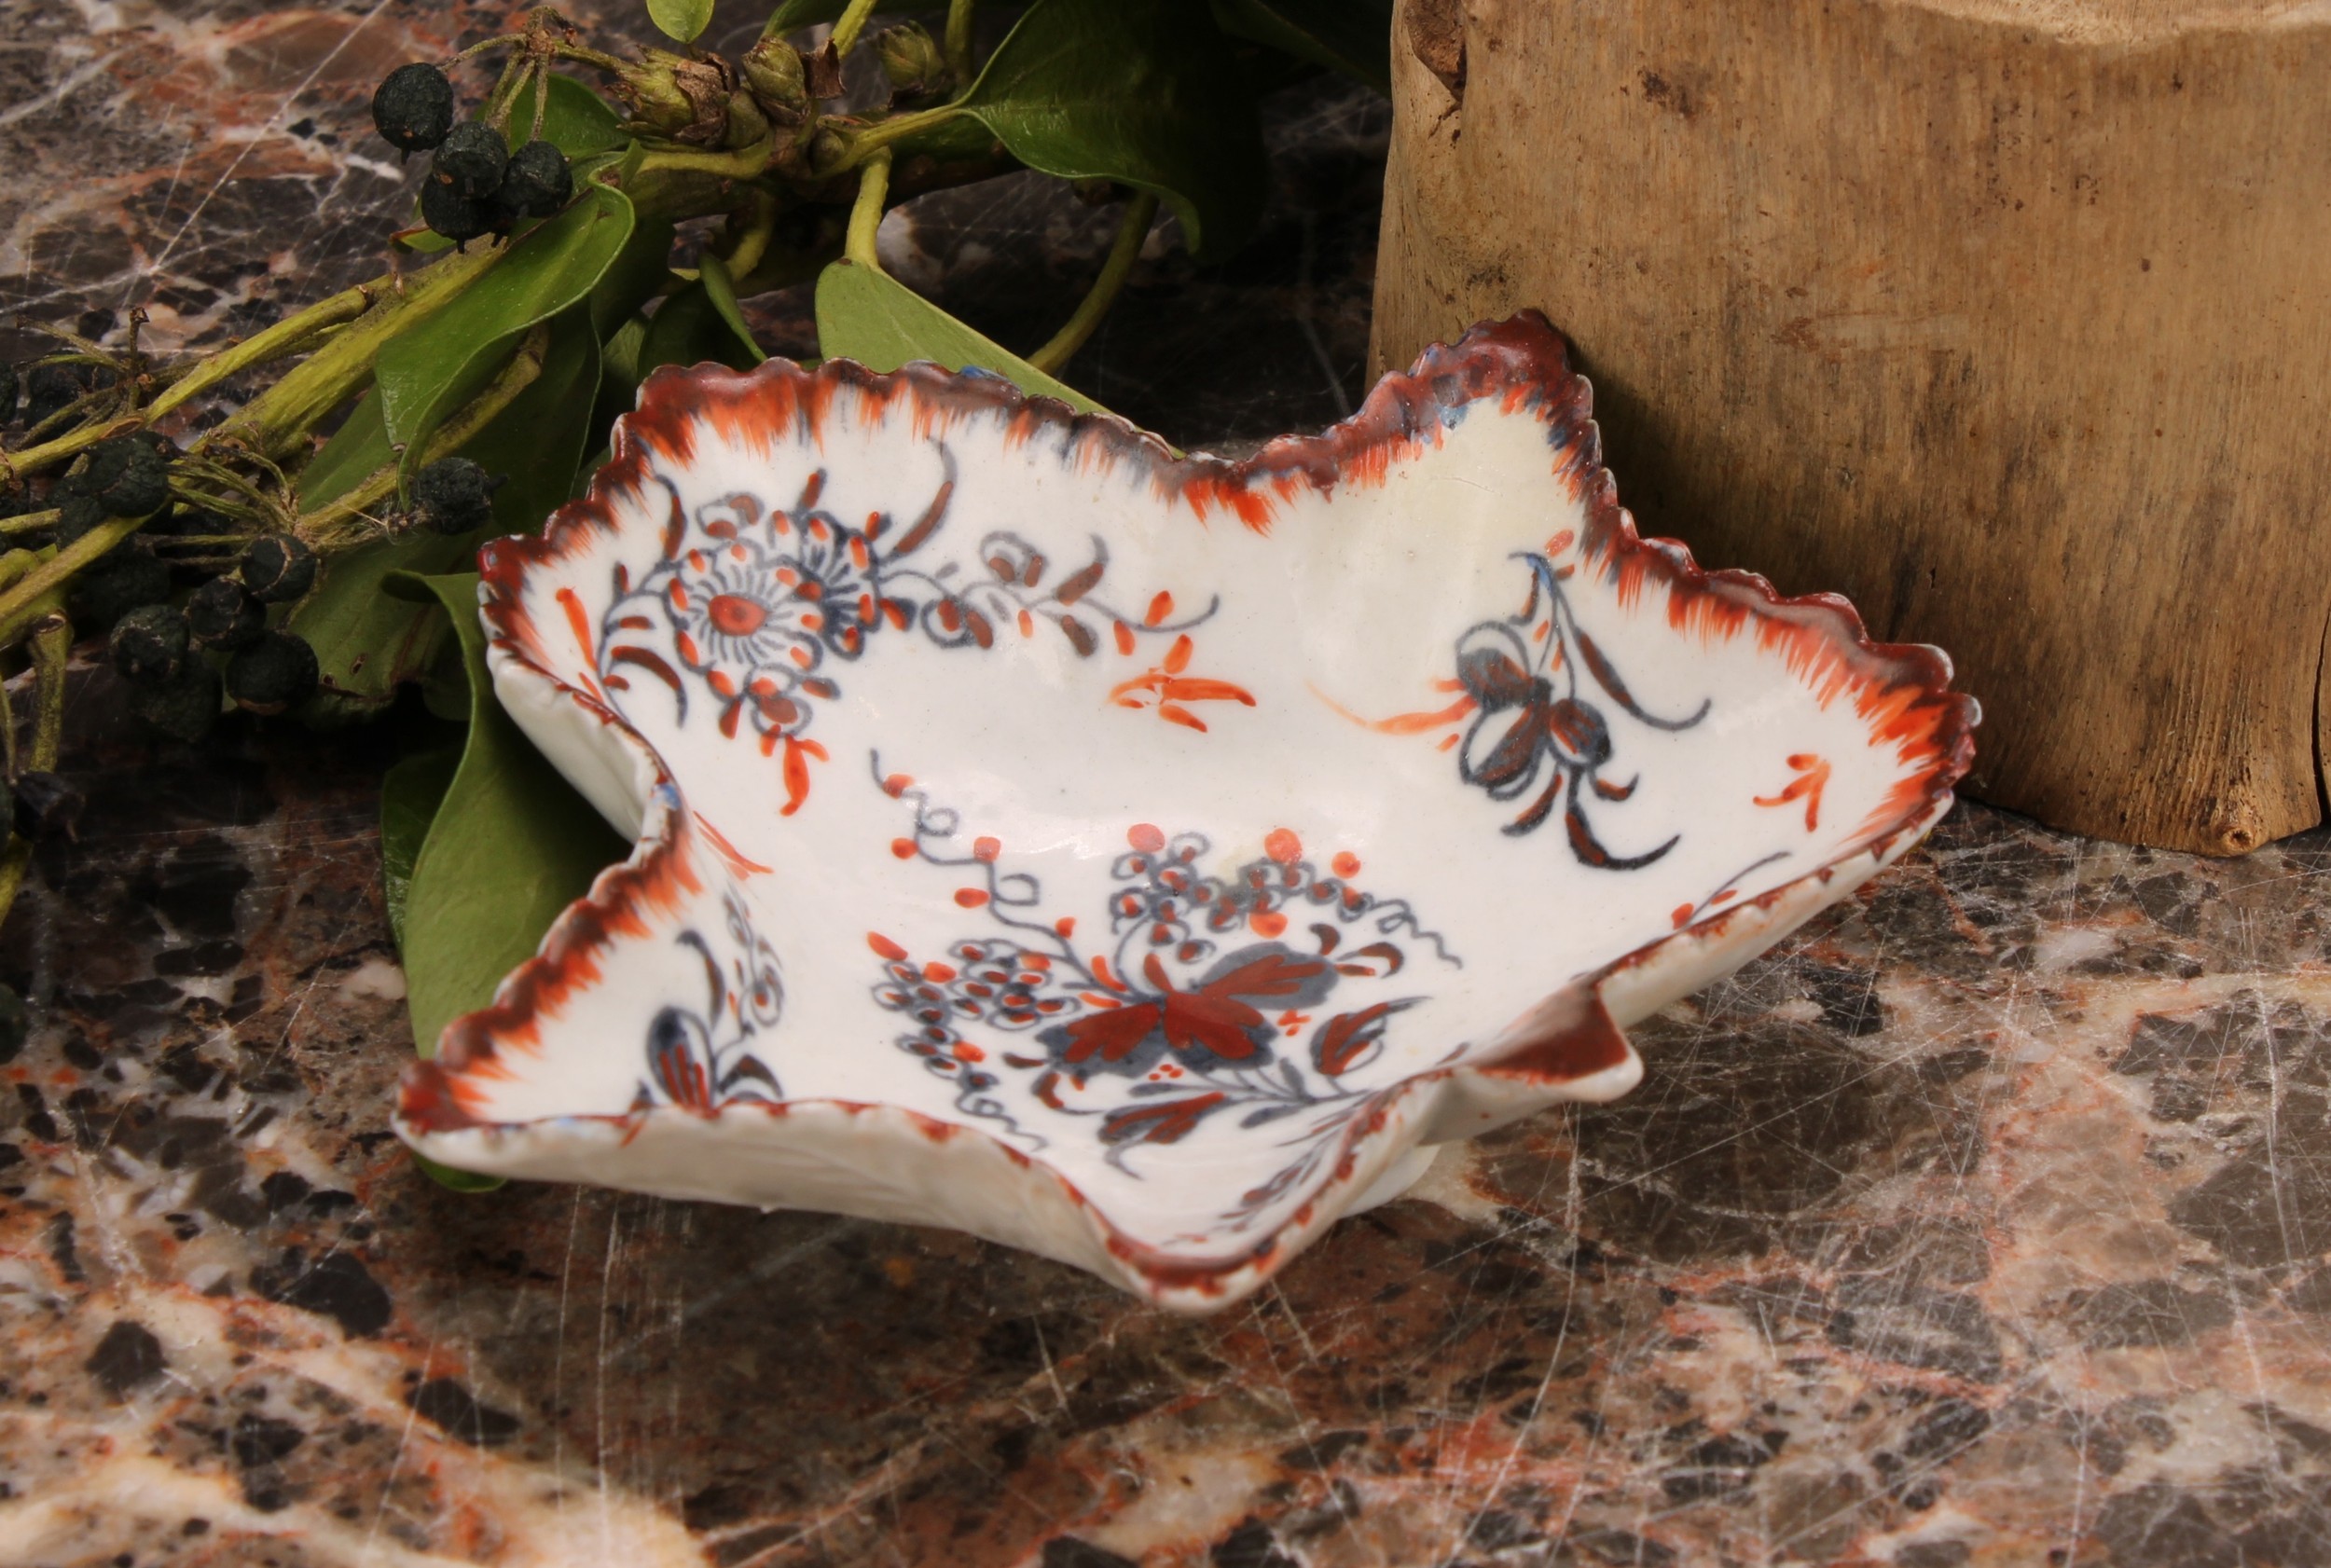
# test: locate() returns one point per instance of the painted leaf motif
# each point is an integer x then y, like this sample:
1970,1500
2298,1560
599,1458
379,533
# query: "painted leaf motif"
1217,1016
1160,1122
1350,1036
1114,1033
1495,674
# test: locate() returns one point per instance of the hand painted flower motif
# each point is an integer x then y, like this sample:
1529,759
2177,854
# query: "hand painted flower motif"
1198,999
1106,930
754,601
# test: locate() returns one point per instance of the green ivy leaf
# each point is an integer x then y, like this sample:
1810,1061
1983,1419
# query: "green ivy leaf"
411,791
538,440
1140,91
459,1181
700,322
358,450
869,316
575,120
510,847
425,374
688,329
367,643
1352,36
721,290
639,270
681,19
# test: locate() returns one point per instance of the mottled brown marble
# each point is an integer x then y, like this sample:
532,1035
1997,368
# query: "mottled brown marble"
1987,1222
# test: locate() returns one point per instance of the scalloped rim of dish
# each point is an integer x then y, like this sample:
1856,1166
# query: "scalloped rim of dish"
1571,1048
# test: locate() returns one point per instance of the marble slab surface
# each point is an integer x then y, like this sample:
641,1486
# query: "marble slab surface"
1987,1222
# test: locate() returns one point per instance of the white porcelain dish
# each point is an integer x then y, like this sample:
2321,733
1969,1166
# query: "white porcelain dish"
1135,858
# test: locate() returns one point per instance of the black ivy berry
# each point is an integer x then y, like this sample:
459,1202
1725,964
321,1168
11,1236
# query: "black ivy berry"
538,182
8,393
453,496
115,585
222,614
128,476
277,567
185,707
46,805
77,513
457,218
277,672
199,521
413,107
149,645
472,160
49,389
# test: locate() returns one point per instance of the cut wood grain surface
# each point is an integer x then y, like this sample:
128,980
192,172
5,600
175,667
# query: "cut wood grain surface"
2010,322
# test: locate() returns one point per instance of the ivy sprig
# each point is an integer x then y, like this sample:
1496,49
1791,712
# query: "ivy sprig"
537,285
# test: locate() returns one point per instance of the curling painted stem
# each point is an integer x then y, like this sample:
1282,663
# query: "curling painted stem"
1121,255
866,215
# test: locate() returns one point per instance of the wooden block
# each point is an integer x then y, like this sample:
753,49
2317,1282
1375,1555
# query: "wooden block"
2010,321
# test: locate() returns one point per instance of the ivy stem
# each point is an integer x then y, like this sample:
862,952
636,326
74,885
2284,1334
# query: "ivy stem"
862,145
515,72
52,646
753,243
21,604
483,45
1071,336
13,568
958,46
32,522
275,419
865,213
285,336
743,164
853,23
